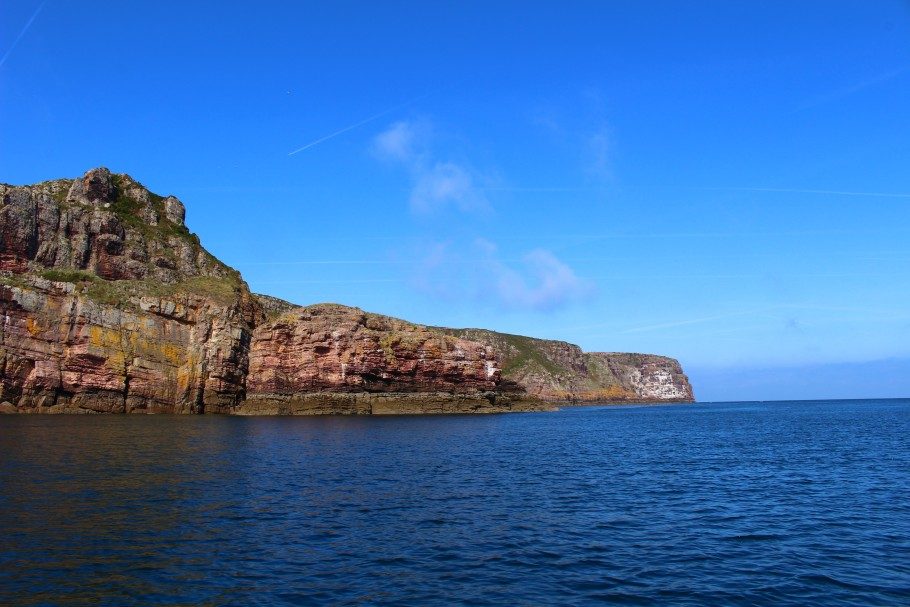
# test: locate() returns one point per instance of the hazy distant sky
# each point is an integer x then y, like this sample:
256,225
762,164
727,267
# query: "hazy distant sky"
723,182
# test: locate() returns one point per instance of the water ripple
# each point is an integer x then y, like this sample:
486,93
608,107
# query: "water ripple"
739,504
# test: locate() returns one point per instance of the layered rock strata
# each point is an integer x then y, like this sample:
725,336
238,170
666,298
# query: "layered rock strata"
329,357
558,371
64,351
108,304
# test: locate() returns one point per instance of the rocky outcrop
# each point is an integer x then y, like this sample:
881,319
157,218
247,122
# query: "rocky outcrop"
65,349
108,304
558,371
329,356
109,225
273,306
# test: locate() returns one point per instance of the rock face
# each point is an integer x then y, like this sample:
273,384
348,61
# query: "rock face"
106,224
108,304
560,372
328,355
64,351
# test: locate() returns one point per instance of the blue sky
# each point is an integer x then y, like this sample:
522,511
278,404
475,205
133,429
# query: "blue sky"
721,182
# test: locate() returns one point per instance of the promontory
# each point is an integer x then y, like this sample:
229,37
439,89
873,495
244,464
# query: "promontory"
109,304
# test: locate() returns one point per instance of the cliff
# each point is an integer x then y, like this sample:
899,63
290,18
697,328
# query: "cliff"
108,304
558,371
330,358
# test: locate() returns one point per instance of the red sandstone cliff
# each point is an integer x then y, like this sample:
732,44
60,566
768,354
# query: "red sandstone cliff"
109,304
334,357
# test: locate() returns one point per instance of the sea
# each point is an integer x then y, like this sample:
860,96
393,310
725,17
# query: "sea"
740,503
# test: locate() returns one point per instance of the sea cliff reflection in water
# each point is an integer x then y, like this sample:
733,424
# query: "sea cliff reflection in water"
734,504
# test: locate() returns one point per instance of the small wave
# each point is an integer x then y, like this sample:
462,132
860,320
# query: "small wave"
820,578
753,537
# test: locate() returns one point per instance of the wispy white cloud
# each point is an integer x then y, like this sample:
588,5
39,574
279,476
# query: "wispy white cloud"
351,127
543,282
537,281
584,133
436,184
24,29
398,143
446,184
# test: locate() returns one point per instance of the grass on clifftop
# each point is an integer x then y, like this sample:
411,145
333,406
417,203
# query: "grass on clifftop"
118,292
528,354
64,275
518,351
129,211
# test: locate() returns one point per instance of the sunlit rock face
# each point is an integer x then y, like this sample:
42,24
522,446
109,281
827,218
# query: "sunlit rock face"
108,304
338,349
558,371
63,351
106,224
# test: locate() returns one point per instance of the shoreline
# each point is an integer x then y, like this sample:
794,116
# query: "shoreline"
340,403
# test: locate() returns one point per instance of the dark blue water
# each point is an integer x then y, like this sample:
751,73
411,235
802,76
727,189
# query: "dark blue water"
804,503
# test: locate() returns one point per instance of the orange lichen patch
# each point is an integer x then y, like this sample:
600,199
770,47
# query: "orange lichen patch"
169,352
186,374
31,325
137,344
608,394
102,337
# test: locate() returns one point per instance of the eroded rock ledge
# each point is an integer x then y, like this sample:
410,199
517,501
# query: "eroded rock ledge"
108,304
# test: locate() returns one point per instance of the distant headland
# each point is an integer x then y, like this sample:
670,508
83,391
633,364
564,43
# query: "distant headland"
109,304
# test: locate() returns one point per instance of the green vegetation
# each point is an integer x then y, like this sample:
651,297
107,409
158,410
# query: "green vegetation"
129,211
528,354
119,292
59,188
13,280
126,208
65,275
155,240
517,352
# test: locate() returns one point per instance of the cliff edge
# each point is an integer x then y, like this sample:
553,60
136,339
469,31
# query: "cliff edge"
558,371
109,304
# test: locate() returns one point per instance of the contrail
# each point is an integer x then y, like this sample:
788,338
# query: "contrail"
799,191
850,90
696,321
811,307
358,124
328,282
22,33
560,189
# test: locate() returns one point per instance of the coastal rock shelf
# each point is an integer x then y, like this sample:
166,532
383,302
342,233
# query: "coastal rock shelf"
108,304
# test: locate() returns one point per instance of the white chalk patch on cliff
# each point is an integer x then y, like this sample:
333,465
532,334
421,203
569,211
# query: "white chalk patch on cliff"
491,368
659,384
